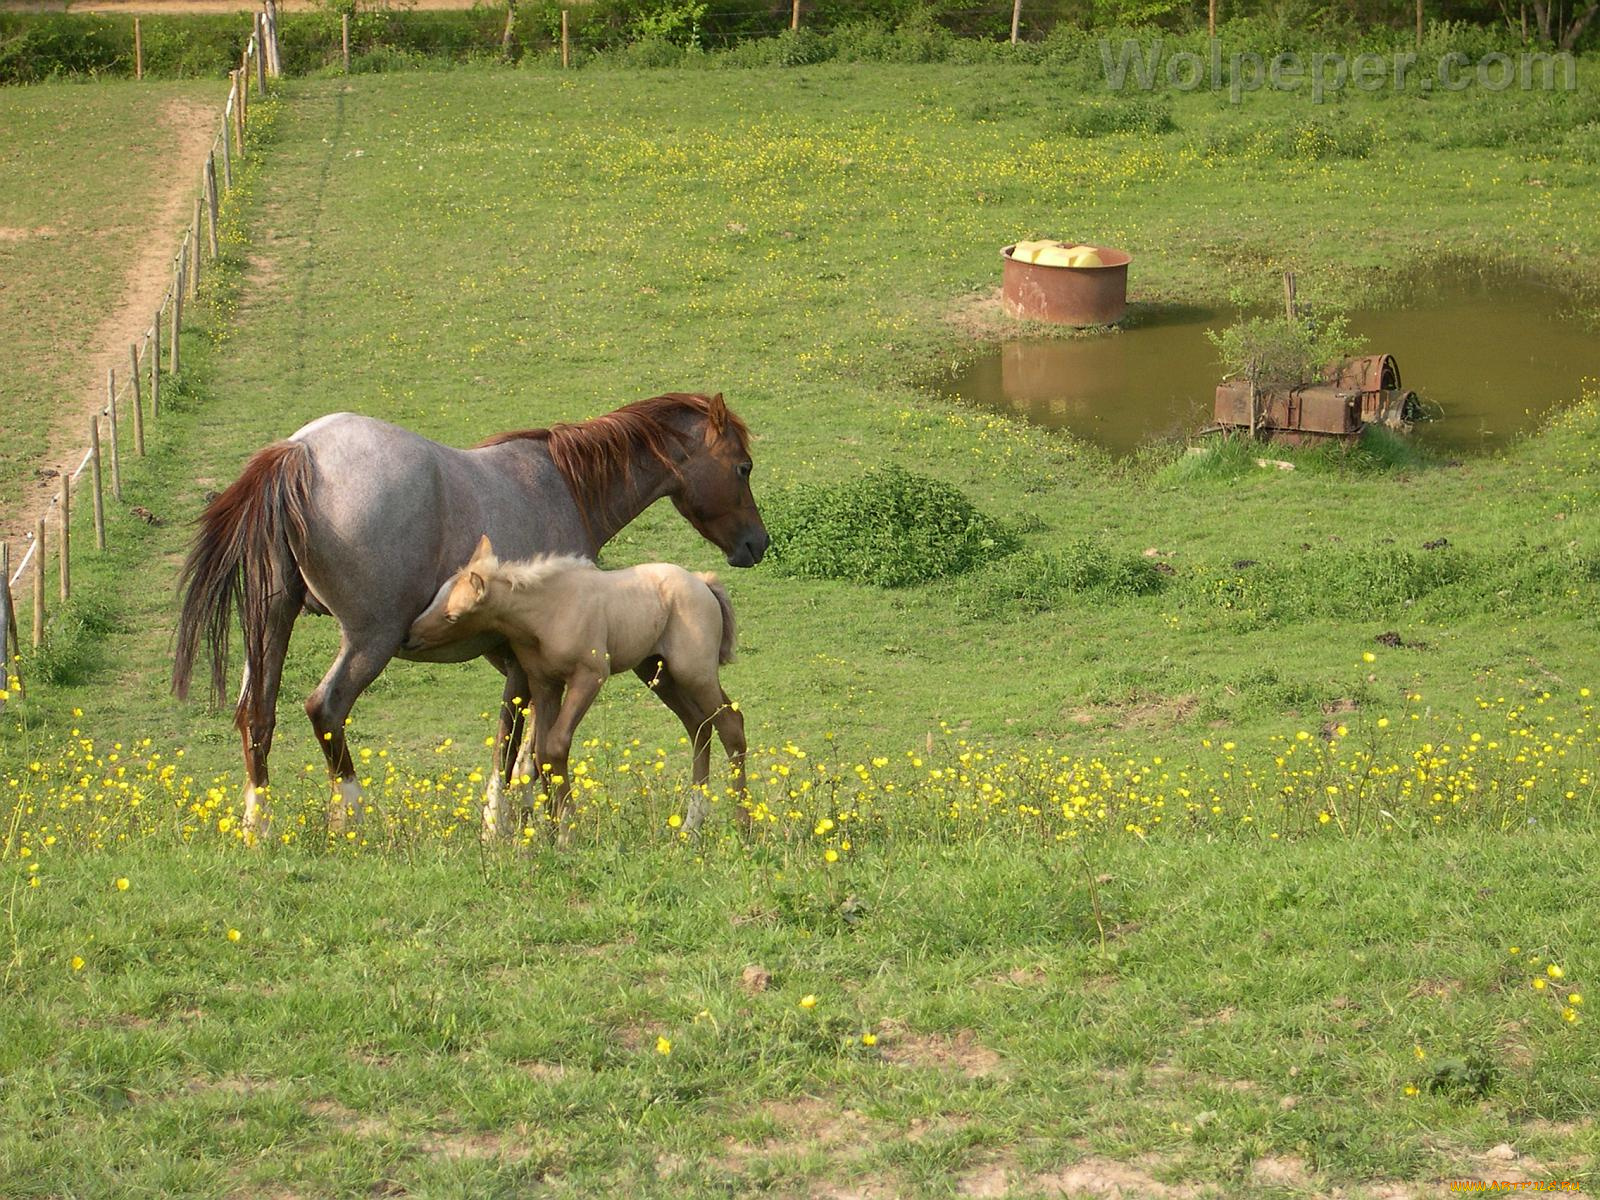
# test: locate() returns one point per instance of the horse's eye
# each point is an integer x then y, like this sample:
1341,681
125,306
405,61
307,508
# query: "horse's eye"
744,470
452,618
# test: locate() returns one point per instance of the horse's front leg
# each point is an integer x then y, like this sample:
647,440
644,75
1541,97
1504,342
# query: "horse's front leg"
508,762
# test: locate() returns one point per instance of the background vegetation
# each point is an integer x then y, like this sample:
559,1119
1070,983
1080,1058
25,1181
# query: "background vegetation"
740,33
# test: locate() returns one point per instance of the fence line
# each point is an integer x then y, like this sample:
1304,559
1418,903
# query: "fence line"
260,58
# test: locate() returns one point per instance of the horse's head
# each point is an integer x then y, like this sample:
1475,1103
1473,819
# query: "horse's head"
459,599
712,489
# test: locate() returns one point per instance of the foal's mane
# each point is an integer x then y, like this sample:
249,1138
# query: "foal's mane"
596,454
530,573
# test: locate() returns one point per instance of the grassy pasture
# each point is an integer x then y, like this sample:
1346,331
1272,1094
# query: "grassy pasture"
1193,973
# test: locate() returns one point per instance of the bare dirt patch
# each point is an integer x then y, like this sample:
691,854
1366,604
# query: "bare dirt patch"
188,125
348,1120
980,316
477,1145
545,1072
962,1053
807,1125
11,233
1288,1170
1096,1178
1020,977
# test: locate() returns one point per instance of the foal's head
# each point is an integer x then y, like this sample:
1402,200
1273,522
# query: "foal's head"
457,609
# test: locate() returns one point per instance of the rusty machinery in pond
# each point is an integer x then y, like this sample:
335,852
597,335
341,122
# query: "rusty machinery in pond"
1344,399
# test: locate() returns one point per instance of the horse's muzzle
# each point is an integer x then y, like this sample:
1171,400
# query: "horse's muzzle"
752,548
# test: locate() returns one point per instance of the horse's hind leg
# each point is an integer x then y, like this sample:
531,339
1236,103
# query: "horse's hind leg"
357,665
257,712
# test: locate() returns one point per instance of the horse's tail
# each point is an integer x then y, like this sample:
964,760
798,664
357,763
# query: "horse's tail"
242,558
729,635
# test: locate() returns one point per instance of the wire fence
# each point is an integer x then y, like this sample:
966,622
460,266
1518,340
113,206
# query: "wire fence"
258,61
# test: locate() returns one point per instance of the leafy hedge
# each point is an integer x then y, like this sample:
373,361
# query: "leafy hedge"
732,33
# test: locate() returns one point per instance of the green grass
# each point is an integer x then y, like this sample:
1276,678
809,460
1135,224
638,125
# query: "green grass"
481,250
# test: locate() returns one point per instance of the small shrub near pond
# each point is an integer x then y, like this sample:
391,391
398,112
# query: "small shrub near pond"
890,527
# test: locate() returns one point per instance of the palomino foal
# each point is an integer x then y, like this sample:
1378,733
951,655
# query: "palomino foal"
572,625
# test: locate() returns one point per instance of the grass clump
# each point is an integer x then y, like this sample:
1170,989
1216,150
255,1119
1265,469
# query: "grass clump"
890,528
1041,580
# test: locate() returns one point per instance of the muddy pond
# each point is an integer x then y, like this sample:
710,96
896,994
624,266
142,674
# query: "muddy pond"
1489,356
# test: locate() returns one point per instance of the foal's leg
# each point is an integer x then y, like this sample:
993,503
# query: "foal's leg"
357,665
496,814
555,746
661,681
546,704
729,724
257,713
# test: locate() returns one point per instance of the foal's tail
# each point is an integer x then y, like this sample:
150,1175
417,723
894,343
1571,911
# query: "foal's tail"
243,557
729,636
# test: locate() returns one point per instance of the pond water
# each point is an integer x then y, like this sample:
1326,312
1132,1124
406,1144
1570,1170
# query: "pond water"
1489,356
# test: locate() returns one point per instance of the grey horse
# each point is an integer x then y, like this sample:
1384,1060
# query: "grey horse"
363,520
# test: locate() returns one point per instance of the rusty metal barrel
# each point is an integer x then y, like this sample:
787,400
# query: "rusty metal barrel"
1066,295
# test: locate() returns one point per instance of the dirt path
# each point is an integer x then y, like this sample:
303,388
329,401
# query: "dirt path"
190,125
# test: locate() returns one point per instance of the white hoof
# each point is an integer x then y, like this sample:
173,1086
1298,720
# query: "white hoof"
256,819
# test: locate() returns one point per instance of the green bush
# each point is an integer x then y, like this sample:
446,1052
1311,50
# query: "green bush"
1138,114
890,528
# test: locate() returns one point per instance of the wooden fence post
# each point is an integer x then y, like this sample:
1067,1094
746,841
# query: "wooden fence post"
95,482
138,401
566,45
177,324
138,50
10,645
1291,306
345,39
274,62
227,142
1419,24
261,54
1211,19
508,35
1016,19
65,548
37,636
241,83
194,258
794,15
155,366
111,428
211,201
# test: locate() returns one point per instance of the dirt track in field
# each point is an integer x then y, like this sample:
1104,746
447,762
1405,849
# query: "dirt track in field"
190,126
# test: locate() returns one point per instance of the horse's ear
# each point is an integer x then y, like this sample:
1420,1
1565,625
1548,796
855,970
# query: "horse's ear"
717,412
484,550
475,582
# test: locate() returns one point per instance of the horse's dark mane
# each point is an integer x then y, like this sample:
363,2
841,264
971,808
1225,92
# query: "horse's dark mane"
594,455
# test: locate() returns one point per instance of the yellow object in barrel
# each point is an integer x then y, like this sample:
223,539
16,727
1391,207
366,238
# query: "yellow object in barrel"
1046,253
